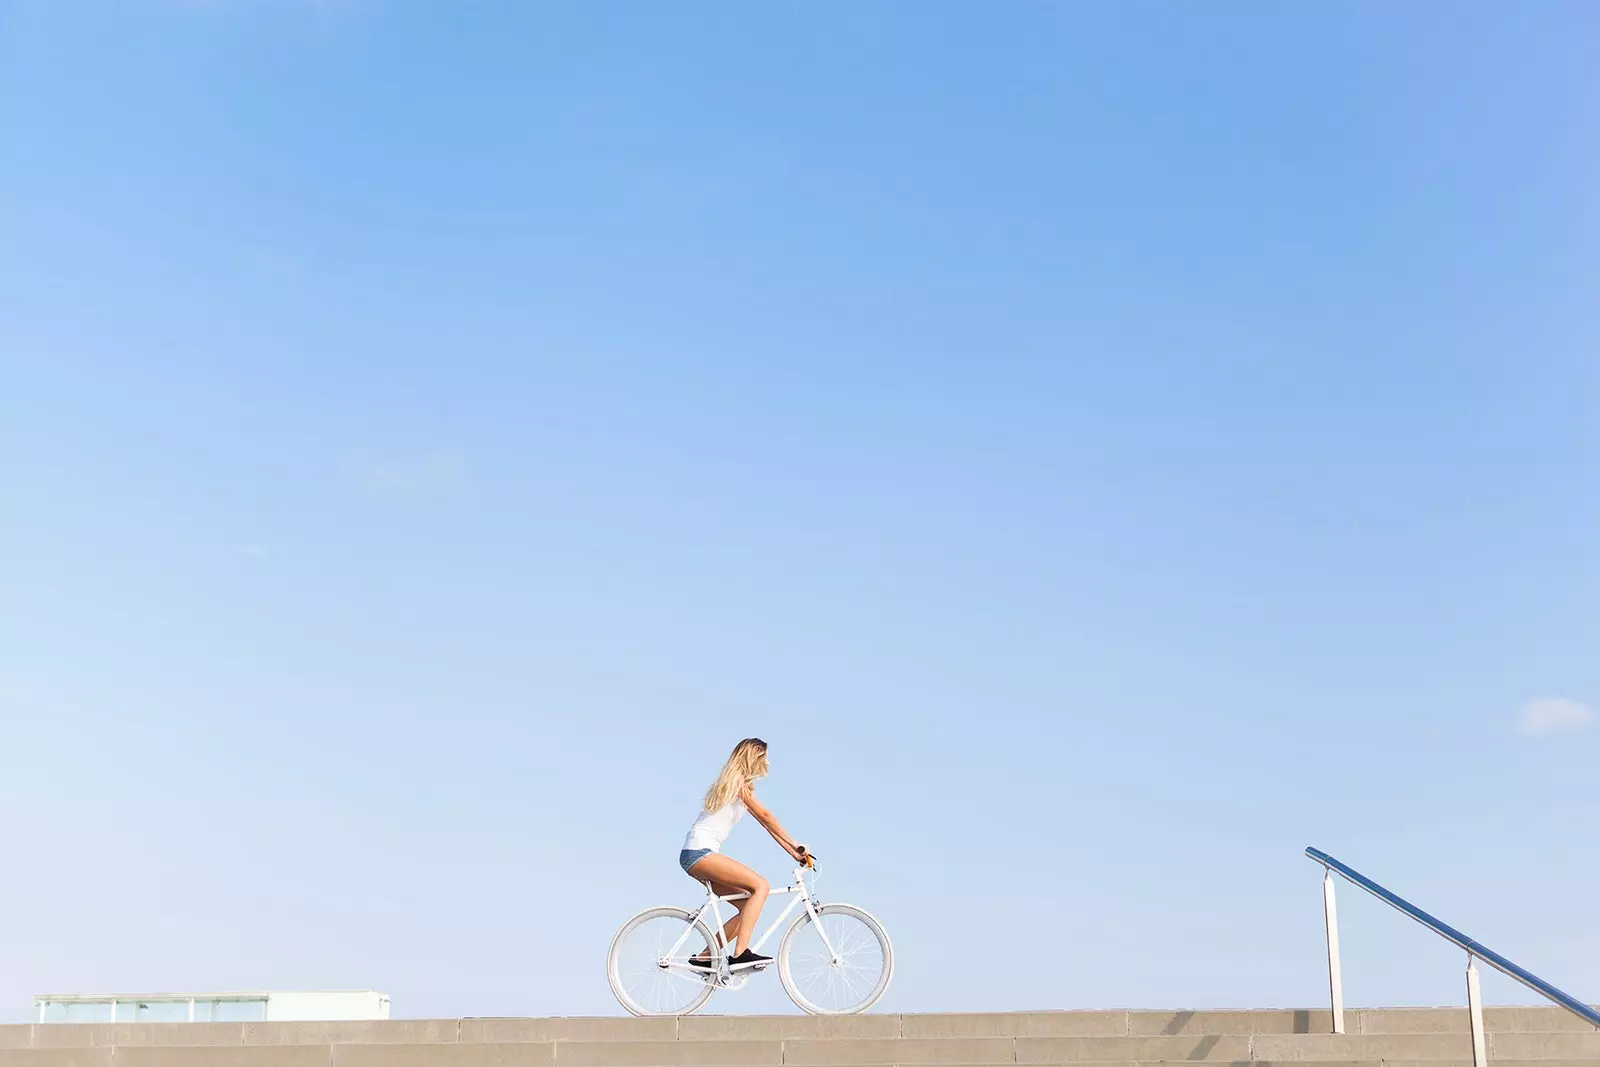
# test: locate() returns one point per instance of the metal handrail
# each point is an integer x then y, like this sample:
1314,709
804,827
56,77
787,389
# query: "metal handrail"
1473,948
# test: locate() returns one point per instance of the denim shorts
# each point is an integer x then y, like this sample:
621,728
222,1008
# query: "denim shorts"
691,856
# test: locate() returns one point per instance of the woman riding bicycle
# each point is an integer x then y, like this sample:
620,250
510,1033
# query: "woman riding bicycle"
832,958
729,797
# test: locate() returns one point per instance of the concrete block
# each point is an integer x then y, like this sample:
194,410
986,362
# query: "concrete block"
141,1035
669,1053
1496,1020
1492,1063
215,1056
1017,1024
786,1027
572,1029
374,1032
939,1050
1101,1049
1271,1021
1408,1020
56,1057
1453,1020
1241,1063
1551,1045
16,1036
499,1054
68,1035
1301,1047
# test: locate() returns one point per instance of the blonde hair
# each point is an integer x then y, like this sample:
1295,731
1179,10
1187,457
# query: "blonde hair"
747,762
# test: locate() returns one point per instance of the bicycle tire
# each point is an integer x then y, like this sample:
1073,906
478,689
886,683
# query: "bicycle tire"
693,999
850,1004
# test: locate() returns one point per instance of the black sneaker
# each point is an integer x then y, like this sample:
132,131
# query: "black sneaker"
748,959
702,962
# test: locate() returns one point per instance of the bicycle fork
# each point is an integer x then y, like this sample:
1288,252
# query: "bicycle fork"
816,920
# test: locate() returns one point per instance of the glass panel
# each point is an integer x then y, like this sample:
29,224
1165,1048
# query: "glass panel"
237,1011
153,1011
87,1012
156,1011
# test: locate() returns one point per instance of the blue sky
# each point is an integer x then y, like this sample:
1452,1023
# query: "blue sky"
1104,449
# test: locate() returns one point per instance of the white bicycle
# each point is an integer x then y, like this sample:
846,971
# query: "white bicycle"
834,959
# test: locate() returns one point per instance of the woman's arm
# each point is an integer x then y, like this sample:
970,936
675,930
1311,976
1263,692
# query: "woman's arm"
770,822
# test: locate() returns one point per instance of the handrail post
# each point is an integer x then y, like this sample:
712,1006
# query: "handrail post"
1330,913
1475,950
1480,1044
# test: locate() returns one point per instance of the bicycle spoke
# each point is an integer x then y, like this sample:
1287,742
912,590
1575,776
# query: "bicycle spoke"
835,962
650,964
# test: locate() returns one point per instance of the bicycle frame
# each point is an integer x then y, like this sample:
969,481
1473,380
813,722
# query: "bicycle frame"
800,894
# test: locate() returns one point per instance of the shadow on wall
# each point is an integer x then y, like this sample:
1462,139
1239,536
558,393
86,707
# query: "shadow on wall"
1302,1025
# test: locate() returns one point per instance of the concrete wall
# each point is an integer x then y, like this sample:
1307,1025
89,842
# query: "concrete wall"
1519,1037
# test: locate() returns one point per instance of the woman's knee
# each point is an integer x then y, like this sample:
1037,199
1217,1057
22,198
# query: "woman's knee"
760,887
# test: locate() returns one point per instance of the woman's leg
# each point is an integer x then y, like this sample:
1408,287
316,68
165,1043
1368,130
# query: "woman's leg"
729,876
730,929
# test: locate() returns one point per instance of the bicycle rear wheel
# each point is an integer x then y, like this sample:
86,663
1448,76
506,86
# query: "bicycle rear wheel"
648,965
840,968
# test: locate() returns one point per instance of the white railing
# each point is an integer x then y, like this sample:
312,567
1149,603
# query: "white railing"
1475,952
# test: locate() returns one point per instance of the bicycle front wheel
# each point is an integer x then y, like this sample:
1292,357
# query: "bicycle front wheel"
648,965
838,965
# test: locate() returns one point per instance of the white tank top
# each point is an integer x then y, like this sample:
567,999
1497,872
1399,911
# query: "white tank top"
711,829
